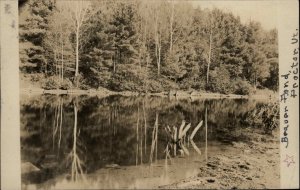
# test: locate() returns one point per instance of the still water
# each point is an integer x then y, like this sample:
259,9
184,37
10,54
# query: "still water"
121,142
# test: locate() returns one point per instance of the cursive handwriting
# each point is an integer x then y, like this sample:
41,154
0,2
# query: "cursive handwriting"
290,86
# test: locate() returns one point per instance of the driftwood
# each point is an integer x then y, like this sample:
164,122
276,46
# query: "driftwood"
178,136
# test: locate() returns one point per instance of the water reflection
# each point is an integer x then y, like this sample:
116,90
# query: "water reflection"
90,139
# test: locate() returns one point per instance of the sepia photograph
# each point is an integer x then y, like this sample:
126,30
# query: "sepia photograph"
158,94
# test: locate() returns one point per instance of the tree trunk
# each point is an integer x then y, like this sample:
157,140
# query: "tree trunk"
156,135
61,120
114,64
159,58
206,134
145,126
74,173
77,51
147,65
171,27
157,45
55,62
137,138
209,56
62,61
255,81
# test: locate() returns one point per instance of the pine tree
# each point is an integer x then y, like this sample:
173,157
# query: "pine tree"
32,33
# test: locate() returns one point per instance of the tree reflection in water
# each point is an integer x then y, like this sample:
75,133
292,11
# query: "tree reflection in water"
58,120
76,163
91,133
154,140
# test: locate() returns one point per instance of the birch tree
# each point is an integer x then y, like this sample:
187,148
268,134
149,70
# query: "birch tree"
171,25
57,40
78,13
209,55
160,26
215,33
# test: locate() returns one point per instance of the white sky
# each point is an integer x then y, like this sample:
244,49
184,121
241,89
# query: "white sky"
263,11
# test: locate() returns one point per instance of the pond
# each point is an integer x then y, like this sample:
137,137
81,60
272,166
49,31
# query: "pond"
122,142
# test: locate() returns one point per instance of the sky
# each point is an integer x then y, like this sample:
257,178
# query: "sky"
263,11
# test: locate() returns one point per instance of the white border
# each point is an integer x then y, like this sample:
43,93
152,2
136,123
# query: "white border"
288,18
10,117
288,22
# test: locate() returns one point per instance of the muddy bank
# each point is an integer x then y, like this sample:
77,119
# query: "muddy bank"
248,165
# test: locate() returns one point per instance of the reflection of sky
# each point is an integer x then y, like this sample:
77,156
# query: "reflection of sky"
112,131
137,177
264,12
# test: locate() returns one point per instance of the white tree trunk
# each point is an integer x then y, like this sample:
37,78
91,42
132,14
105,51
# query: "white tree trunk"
77,51
171,27
62,61
157,45
159,57
209,56
74,162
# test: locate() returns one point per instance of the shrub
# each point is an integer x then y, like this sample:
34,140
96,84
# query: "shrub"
66,84
265,117
220,81
51,83
37,77
242,87
80,82
55,82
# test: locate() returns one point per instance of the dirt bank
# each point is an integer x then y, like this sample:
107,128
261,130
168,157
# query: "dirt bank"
250,165
105,92
30,85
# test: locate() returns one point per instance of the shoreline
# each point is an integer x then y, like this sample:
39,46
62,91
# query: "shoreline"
172,94
244,165
249,165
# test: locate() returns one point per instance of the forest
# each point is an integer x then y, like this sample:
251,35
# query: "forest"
144,46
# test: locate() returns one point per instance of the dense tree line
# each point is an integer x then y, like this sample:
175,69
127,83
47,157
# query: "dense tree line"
145,46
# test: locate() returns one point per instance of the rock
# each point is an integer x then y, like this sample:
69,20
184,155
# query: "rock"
247,151
248,178
112,166
172,93
49,165
212,165
28,167
227,170
244,166
210,180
